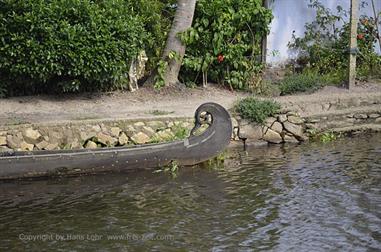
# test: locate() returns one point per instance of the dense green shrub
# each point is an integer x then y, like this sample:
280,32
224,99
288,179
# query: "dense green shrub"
224,41
301,83
324,45
256,110
67,45
156,16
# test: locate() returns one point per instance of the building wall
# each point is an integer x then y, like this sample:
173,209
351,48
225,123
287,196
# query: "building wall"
291,15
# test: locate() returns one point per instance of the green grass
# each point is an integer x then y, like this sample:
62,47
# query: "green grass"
256,110
309,82
160,112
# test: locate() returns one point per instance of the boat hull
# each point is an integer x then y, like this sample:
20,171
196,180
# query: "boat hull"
192,150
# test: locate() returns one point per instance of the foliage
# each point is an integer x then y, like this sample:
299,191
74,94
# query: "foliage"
324,137
328,137
156,16
157,112
162,66
324,45
179,133
172,168
305,82
224,41
68,45
257,110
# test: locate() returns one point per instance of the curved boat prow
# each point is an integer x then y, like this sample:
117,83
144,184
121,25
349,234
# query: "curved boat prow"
190,151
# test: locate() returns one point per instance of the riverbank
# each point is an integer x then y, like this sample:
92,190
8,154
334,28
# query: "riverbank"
150,116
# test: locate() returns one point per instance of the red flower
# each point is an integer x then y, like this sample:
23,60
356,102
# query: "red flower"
220,58
360,36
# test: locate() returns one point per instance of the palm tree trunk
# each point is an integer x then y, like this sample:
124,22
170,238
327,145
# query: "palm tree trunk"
182,21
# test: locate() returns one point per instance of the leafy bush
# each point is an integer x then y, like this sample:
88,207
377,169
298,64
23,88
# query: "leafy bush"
67,45
156,16
300,83
324,45
257,110
224,41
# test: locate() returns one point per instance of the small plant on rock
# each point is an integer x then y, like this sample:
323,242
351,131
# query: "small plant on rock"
257,110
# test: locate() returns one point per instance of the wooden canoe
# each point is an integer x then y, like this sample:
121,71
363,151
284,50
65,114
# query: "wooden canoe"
192,150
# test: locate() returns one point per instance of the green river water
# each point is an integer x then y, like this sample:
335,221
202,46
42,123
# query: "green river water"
308,197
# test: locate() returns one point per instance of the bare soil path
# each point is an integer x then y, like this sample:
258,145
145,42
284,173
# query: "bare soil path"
149,103
144,103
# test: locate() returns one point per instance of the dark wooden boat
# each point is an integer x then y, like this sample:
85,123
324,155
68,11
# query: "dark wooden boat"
194,149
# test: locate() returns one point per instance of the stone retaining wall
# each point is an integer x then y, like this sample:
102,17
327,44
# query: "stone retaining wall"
92,134
295,123
287,127
291,127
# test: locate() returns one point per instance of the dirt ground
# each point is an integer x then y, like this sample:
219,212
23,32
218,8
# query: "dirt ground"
144,103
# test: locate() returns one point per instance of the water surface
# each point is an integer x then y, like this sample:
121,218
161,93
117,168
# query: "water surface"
309,197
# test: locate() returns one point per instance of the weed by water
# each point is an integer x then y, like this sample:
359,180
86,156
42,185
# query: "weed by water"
257,110
172,168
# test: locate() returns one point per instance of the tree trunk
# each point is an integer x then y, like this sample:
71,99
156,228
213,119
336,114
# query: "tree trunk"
353,45
182,21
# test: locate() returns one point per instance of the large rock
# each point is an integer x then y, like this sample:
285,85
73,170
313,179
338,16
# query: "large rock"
269,121
91,145
106,139
14,142
140,138
282,118
52,146
84,135
115,131
250,132
164,135
139,124
76,144
272,136
56,136
155,125
42,145
277,127
123,139
295,119
3,140
295,130
311,126
24,146
130,131
148,131
290,139
96,128
32,136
